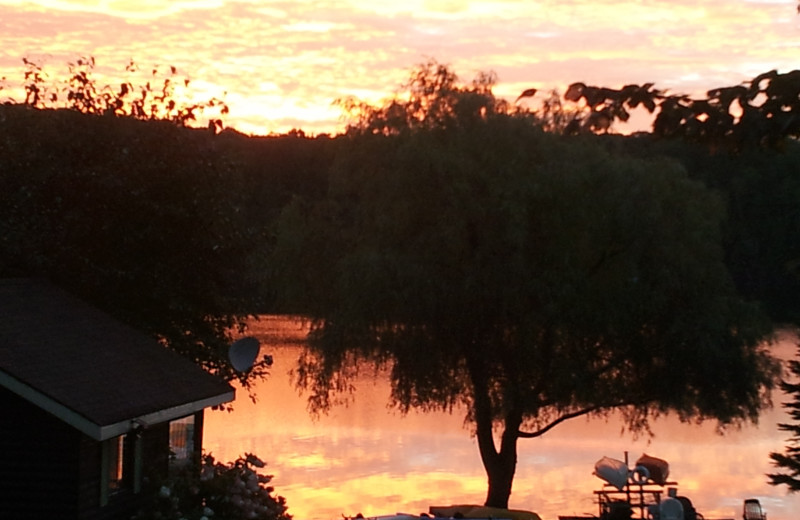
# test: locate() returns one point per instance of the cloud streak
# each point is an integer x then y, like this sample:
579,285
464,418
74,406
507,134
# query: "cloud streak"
283,63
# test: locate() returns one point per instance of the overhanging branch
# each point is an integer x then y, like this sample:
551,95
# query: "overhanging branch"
553,424
577,413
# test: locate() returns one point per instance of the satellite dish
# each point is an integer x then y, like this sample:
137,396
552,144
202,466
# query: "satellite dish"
243,353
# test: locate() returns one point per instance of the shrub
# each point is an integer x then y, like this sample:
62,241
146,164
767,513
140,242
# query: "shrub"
232,491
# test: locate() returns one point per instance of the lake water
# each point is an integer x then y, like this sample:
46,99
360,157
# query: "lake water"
369,459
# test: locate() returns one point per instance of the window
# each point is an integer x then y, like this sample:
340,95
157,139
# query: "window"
120,466
113,467
116,463
181,441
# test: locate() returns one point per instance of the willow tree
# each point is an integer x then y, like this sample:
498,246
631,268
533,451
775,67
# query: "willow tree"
527,277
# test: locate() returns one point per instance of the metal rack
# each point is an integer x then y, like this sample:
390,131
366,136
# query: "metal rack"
641,498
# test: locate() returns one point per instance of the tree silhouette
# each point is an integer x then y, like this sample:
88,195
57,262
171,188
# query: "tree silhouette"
788,462
158,99
530,277
762,112
115,209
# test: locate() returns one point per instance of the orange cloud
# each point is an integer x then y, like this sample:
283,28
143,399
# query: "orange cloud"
284,63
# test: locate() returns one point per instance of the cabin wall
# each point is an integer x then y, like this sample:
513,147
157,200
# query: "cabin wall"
122,504
39,461
48,469
156,453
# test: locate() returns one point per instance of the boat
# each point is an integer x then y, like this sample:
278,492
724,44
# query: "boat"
473,512
646,493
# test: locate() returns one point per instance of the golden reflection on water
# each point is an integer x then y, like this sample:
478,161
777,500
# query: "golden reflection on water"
367,458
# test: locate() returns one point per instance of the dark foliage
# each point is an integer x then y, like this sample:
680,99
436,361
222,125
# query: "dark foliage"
139,218
166,227
761,113
154,100
532,277
761,231
787,464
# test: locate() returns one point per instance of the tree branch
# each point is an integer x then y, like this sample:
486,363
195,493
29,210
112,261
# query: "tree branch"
565,417
578,413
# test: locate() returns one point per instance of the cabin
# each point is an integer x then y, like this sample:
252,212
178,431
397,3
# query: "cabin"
92,410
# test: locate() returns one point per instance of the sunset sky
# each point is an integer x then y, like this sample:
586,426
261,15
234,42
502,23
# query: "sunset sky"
283,63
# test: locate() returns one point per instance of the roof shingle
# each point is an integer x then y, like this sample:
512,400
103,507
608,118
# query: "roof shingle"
90,363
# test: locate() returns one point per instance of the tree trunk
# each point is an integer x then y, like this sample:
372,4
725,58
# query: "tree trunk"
500,465
501,477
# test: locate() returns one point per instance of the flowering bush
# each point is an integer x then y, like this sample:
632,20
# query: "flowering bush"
233,491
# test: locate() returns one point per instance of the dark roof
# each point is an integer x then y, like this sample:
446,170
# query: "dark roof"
91,370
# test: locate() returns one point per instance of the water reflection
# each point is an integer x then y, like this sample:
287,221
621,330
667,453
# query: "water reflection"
369,459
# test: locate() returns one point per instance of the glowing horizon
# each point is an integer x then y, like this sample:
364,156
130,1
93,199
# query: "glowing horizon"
284,63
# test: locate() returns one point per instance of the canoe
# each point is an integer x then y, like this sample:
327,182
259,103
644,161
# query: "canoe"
613,471
398,516
475,511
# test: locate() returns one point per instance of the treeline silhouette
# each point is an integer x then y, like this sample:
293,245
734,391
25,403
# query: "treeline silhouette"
167,227
171,228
